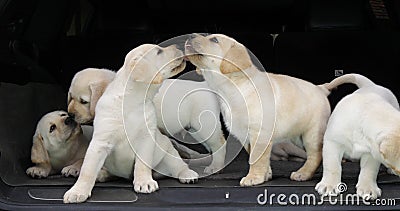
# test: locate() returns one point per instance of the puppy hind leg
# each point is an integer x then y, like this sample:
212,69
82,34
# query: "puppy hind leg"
312,141
217,145
172,165
209,133
367,187
332,168
260,168
104,176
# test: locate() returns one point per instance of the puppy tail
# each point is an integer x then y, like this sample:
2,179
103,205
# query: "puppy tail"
357,79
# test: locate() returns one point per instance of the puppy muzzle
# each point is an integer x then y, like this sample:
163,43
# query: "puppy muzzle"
70,121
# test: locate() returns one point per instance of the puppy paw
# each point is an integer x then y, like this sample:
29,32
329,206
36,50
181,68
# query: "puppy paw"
188,176
369,191
37,172
145,185
326,189
253,179
103,176
70,171
76,195
300,176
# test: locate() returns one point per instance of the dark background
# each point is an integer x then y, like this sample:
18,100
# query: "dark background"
43,43
49,41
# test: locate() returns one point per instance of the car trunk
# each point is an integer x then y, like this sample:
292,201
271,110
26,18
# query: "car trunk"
46,43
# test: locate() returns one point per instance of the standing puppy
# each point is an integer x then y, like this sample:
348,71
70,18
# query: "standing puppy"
126,139
59,145
364,125
259,107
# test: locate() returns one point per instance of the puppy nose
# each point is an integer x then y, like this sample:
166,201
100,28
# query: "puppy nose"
72,115
69,121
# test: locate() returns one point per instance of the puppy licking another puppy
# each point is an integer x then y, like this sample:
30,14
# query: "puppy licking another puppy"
260,107
126,139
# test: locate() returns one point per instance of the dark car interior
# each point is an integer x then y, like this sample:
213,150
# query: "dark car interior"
43,43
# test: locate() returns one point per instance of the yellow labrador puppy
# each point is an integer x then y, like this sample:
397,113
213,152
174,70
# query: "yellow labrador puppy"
364,125
59,145
126,139
180,105
86,88
261,107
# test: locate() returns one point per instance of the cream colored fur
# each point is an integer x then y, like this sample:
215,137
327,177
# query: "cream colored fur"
363,126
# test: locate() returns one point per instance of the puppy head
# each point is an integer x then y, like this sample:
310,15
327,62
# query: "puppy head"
52,131
86,88
152,64
390,151
217,52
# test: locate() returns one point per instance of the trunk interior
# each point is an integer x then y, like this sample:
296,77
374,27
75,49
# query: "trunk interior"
43,43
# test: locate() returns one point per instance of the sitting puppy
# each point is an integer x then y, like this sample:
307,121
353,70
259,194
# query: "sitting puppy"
126,139
260,108
59,145
180,105
364,125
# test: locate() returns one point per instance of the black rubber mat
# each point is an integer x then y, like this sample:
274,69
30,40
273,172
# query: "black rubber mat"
24,105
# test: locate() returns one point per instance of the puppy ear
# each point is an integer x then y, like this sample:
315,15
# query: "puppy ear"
236,59
138,76
142,73
390,151
39,153
69,98
96,89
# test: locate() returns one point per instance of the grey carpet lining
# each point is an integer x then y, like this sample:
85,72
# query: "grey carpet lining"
21,106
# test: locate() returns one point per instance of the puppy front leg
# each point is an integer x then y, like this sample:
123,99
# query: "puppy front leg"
143,180
40,170
93,161
260,169
73,169
142,176
367,187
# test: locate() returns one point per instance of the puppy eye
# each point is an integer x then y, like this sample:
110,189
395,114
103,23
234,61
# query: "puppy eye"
84,101
214,39
63,114
52,128
159,51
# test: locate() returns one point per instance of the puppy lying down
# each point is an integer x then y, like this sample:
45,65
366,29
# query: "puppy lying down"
59,145
364,125
126,139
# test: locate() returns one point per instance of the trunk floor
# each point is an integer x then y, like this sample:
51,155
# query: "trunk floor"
228,177
23,105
